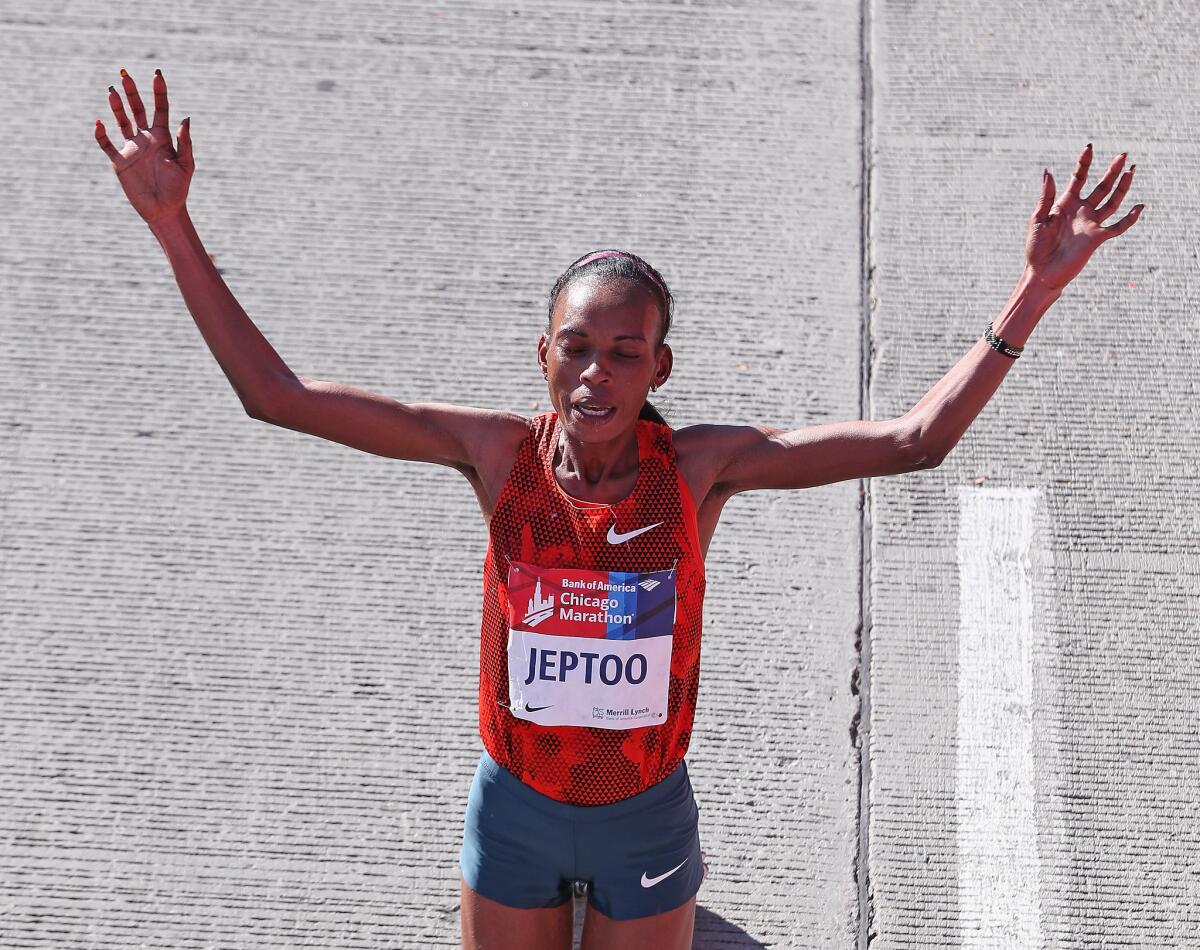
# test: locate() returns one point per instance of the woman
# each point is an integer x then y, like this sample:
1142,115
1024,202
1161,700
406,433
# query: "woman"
599,517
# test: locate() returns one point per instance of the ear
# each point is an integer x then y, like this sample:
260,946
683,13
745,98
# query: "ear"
542,347
664,362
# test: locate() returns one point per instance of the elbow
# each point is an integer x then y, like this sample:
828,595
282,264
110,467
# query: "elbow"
932,460
255,408
917,449
265,404
931,454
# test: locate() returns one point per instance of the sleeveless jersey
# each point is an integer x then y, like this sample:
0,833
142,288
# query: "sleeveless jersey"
590,641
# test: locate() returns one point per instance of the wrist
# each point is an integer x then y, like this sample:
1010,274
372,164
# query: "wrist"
1030,281
174,232
1031,298
173,223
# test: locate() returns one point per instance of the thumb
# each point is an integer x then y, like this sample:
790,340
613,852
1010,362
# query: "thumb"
184,151
1042,212
1045,200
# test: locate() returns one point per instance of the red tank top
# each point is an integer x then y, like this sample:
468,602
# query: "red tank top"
589,660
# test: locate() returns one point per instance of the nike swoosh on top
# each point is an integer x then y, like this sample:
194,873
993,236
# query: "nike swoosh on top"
651,881
617,537
529,708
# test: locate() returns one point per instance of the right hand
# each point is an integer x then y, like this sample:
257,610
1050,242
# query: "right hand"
153,174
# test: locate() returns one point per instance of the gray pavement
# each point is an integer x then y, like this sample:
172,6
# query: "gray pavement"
951,708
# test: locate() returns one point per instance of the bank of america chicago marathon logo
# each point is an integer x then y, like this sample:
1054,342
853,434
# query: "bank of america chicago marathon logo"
539,608
542,607
575,602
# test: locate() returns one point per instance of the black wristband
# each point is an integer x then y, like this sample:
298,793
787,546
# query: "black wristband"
1001,346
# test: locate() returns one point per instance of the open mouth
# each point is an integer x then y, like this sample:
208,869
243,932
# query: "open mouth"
591,410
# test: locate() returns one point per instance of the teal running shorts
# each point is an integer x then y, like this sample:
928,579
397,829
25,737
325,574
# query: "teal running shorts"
638,857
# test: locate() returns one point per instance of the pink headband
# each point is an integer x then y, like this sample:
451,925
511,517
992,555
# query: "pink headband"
599,255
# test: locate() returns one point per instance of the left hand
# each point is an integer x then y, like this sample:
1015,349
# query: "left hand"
1062,237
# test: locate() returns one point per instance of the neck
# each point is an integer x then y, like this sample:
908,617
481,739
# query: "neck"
596,464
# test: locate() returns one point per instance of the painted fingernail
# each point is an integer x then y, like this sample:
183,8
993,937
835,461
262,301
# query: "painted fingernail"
111,89
158,72
123,73
1132,167
1089,144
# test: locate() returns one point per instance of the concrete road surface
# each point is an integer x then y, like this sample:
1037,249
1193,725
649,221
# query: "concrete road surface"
954,708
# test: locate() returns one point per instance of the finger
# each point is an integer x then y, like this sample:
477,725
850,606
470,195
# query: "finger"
1080,176
1109,208
183,153
1112,230
118,108
1101,189
135,100
105,144
1041,213
161,119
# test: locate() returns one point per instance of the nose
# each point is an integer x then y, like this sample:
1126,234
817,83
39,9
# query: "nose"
595,370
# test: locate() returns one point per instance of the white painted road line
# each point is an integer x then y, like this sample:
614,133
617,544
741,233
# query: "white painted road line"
998,873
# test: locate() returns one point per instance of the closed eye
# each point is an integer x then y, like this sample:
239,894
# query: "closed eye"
576,351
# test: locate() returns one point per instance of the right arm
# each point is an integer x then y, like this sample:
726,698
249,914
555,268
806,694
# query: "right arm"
155,176
473,441
250,363
458,436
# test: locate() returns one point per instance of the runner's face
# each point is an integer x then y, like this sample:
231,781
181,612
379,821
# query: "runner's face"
602,350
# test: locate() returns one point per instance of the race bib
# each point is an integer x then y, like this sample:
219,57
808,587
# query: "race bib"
589,648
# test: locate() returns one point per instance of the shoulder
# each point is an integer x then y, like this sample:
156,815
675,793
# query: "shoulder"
715,444
703,452
498,438
496,446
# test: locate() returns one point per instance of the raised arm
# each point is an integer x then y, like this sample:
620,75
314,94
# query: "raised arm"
462,437
250,363
457,436
155,177
1061,239
728,459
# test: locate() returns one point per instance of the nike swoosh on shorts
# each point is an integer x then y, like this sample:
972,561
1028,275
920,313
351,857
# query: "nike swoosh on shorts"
651,881
616,537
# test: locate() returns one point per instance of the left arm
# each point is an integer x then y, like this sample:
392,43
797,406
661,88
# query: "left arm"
943,414
1061,239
